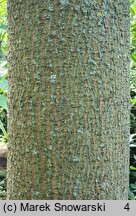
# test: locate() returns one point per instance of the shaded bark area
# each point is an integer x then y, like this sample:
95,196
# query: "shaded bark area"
68,115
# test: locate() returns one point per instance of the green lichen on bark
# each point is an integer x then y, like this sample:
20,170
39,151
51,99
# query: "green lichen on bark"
68,99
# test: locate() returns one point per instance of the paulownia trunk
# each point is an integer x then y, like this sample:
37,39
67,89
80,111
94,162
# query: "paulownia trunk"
68,100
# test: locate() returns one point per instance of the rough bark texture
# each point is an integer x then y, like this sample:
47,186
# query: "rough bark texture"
68,118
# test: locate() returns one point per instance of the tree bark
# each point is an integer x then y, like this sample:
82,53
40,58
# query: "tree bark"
68,99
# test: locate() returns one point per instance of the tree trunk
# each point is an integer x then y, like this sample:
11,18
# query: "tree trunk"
68,101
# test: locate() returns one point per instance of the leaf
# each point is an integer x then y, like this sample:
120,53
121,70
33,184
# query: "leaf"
133,9
131,194
133,56
135,157
3,101
133,101
3,76
132,136
132,168
3,64
133,186
3,129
